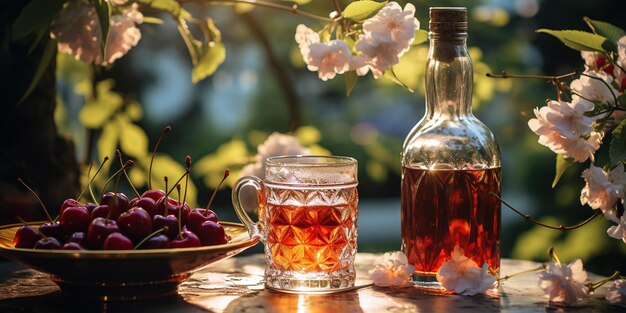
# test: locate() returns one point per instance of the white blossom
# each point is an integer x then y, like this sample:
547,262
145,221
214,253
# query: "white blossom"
276,144
620,71
602,189
560,126
593,86
305,37
377,57
618,231
78,32
564,283
392,269
329,58
617,293
463,275
393,26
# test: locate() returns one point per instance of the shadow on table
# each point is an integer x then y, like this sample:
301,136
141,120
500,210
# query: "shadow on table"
277,302
58,302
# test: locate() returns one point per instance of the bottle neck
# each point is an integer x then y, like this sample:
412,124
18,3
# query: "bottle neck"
449,77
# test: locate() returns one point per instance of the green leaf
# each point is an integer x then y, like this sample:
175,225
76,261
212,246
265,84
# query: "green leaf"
104,14
610,32
100,109
308,135
170,6
35,16
578,40
360,10
133,139
617,149
391,74
107,143
213,56
351,78
561,165
46,57
421,36
152,20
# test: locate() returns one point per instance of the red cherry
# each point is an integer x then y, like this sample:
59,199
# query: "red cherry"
90,207
69,203
117,241
212,233
52,229
117,202
149,205
188,240
72,246
168,223
100,211
49,243
173,207
135,223
154,194
26,237
77,237
75,218
98,231
199,216
156,242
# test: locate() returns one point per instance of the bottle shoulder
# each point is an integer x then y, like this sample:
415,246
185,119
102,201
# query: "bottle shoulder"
459,143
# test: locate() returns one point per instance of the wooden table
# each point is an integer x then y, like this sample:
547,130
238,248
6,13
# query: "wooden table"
235,285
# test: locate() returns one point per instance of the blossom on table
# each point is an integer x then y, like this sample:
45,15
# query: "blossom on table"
561,126
617,293
392,269
78,32
618,231
602,189
275,145
463,275
564,283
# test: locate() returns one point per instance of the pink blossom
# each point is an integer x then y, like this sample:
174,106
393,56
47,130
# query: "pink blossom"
618,231
305,37
564,283
123,35
561,126
376,56
392,269
275,145
463,275
329,58
602,189
620,71
593,86
616,294
393,26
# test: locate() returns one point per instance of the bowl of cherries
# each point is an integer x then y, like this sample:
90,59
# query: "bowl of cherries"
121,248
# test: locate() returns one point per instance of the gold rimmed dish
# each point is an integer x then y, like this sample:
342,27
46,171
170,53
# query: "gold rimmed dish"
123,274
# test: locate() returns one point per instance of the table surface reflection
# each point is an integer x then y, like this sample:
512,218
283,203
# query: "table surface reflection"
235,285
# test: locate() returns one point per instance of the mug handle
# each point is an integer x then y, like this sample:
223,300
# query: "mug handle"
257,183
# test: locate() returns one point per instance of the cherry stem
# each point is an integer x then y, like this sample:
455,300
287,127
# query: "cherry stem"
37,230
165,202
119,155
521,273
165,131
38,199
188,163
554,256
154,233
93,196
128,163
528,218
178,181
85,188
226,173
180,214
593,286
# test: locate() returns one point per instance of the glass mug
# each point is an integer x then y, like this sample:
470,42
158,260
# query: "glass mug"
307,208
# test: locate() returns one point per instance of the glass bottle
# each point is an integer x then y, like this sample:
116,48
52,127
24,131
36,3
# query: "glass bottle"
450,163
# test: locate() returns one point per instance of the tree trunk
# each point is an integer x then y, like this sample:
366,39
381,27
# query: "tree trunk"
30,145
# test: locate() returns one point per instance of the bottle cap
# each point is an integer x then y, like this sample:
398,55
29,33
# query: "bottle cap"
448,19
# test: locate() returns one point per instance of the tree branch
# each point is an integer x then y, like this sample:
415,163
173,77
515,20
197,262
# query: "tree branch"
293,9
